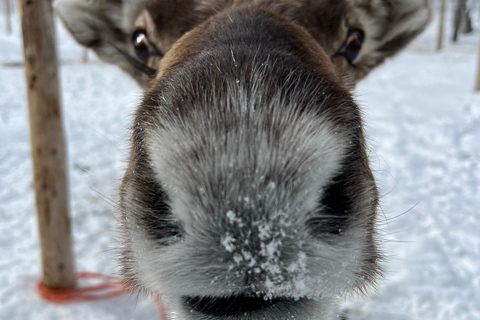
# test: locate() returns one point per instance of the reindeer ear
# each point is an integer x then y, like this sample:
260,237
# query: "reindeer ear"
389,26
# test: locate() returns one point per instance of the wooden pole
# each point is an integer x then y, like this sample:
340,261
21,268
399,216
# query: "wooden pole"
478,7
441,25
47,143
85,56
460,8
477,82
8,11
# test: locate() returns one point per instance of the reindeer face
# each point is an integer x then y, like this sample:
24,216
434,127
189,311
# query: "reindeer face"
249,190
248,193
159,26
357,35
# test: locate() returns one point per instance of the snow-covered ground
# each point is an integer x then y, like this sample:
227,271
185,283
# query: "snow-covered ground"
423,124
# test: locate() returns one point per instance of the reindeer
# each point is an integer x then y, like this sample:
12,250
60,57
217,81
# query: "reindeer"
248,193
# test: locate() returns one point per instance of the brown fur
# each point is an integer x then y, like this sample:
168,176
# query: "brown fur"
389,25
308,50
318,38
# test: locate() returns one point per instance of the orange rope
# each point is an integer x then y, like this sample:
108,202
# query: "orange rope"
110,287
161,308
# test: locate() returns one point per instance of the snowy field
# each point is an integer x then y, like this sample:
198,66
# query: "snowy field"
423,124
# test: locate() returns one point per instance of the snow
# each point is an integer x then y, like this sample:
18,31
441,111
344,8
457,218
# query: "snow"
233,219
423,126
228,242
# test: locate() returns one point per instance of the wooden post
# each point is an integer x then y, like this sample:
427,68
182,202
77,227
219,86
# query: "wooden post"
478,7
441,25
477,82
460,8
8,11
85,56
47,143
466,26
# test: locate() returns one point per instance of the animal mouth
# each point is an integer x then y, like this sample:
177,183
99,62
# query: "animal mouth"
231,306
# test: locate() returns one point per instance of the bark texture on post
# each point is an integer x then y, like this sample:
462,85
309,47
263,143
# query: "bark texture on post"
47,143
441,25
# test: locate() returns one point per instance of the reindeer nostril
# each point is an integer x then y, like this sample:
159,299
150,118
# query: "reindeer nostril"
156,218
335,206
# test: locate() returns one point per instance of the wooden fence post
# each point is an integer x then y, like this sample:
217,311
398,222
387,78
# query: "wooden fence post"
47,143
8,11
85,56
459,16
477,82
441,25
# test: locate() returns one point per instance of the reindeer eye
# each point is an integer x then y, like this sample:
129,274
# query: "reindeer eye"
141,45
353,46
